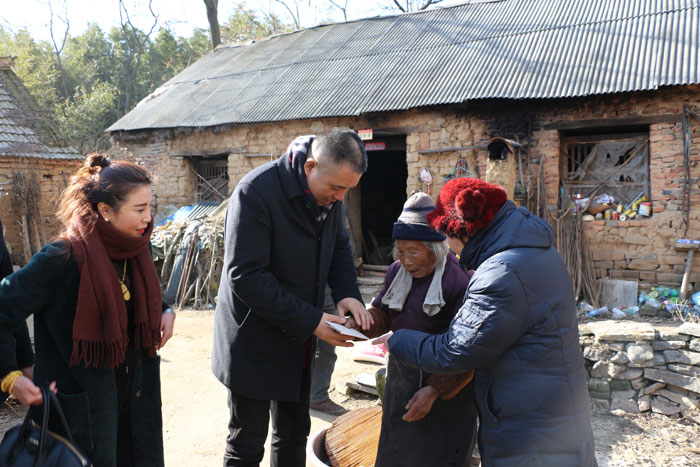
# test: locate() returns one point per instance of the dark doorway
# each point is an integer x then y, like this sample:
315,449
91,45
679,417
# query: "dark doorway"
383,189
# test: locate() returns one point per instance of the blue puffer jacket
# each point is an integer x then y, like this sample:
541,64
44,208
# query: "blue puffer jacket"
518,329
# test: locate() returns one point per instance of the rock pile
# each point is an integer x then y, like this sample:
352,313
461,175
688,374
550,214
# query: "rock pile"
637,367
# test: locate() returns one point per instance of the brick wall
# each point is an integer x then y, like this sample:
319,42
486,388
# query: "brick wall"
637,249
52,175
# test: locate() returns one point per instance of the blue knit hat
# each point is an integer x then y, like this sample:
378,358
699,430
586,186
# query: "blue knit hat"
412,224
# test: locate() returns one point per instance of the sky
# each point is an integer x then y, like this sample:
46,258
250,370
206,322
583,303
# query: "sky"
181,16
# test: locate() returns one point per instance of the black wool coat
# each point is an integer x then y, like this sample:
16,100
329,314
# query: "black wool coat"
277,262
47,287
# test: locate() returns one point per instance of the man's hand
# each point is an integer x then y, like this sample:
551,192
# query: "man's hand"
29,393
357,310
330,335
167,325
420,404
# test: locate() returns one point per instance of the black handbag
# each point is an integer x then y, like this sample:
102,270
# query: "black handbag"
29,444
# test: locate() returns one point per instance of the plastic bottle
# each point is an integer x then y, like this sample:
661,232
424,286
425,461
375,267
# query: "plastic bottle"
696,298
598,311
617,313
653,302
584,307
673,293
654,293
632,311
642,298
663,292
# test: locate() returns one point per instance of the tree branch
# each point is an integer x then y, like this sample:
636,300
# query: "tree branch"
400,7
58,50
294,17
427,3
343,8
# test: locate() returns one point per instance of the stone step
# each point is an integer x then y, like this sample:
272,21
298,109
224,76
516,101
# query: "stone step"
371,280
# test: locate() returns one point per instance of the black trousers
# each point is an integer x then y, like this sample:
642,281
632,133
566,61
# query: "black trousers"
245,443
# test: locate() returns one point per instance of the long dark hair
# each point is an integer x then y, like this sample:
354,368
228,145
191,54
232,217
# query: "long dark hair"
99,180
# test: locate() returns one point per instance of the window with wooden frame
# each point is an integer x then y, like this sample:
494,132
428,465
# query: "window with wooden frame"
211,178
613,164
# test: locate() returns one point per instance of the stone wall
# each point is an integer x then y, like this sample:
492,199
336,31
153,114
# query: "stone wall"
637,367
53,176
637,250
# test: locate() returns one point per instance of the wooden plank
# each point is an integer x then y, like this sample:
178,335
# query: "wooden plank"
456,148
375,267
612,122
352,386
395,131
207,152
614,138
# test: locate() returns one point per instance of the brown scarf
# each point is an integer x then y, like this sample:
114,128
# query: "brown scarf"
100,327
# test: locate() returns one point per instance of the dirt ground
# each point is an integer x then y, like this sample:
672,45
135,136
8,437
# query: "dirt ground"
195,413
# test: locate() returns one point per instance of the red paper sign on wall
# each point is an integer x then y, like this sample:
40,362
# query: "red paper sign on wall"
365,134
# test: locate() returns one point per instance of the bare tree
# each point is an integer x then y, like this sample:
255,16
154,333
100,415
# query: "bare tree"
292,6
342,7
414,5
56,48
213,17
134,42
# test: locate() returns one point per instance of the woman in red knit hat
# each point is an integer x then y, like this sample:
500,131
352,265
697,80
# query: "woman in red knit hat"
517,328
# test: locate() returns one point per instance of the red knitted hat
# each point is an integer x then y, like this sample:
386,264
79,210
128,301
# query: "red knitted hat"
466,206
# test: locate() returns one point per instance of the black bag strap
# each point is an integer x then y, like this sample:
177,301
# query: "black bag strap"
44,425
58,412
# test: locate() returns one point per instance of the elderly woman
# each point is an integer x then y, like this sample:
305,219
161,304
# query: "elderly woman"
427,420
517,328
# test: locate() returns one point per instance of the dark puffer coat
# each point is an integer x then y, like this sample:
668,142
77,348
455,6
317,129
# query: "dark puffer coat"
518,329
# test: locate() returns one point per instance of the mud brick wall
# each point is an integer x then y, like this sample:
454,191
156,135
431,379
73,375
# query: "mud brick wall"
643,249
637,367
637,250
53,176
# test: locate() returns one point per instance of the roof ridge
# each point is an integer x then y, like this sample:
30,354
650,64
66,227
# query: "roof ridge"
434,46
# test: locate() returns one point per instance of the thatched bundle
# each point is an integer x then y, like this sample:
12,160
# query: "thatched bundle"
189,256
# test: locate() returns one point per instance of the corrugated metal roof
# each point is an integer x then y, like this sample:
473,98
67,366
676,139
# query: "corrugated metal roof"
23,130
508,49
202,209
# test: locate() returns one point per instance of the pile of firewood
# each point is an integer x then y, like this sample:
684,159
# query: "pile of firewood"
189,256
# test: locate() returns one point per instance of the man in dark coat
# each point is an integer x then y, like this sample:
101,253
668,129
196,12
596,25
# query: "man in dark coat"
517,328
284,241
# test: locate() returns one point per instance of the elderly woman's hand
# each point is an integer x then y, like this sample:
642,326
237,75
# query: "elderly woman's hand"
383,340
357,310
420,404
